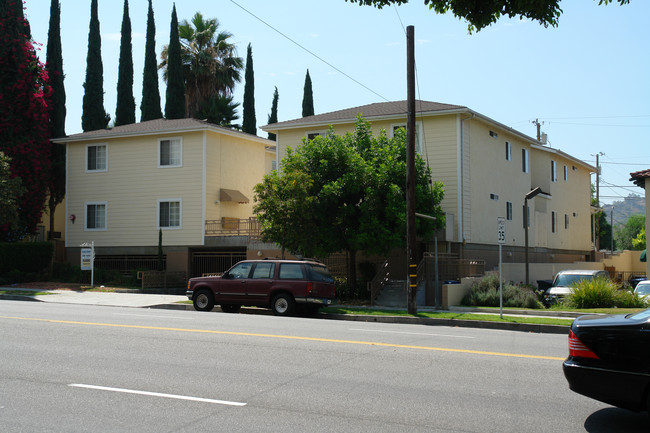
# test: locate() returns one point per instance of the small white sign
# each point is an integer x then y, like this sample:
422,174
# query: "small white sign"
501,230
86,259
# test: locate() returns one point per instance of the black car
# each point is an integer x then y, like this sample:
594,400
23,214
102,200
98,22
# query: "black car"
609,359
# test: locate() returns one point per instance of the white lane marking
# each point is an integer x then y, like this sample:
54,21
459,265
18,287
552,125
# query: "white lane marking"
147,315
157,394
411,333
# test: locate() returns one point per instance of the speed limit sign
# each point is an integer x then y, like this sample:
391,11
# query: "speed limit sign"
501,230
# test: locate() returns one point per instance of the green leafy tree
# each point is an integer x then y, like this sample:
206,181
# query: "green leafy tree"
307,97
220,110
356,187
627,233
209,59
249,123
638,243
10,191
482,13
175,101
150,105
125,112
54,67
273,117
604,231
94,115
24,120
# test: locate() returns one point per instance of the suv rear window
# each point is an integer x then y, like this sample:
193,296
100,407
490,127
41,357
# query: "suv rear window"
291,271
320,274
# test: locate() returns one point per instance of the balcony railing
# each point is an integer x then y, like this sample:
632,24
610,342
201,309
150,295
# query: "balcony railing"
233,227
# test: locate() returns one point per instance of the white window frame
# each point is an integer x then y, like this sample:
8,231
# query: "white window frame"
508,151
180,152
180,213
97,170
525,161
553,171
509,210
566,173
418,134
315,134
96,203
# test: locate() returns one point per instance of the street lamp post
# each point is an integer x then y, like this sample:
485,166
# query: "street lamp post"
527,197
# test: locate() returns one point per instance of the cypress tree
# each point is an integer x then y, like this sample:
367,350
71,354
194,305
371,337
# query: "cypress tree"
175,101
94,115
307,98
150,106
273,117
249,123
24,121
125,111
54,66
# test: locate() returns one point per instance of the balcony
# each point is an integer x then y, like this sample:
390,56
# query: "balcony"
226,226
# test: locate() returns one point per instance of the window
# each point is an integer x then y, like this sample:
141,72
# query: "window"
96,157
509,211
418,144
566,173
169,213
553,171
96,216
553,222
264,270
524,160
494,197
240,270
312,135
493,134
170,153
566,221
291,271
508,151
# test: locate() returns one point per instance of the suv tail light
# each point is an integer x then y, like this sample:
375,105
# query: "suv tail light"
310,288
578,349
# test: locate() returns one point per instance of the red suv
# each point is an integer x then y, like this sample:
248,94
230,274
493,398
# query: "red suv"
280,285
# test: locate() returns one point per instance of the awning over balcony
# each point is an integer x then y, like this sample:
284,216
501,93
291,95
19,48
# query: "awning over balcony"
232,195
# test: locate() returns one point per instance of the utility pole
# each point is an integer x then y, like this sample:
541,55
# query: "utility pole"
596,222
539,131
411,246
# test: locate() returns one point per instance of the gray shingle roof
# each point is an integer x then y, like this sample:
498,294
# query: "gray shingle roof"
153,127
382,109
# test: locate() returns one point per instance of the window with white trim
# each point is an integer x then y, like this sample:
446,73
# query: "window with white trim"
418,142
553,171
524,160
96,216
169,214
566,173
170,153
312,135
508,151
96,157
566,221
509,211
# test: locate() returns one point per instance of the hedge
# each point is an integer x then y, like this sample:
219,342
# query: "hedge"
28,257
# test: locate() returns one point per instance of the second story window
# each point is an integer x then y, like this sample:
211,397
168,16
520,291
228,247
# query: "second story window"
509,211
553,171
508,151
96,157
170,153
418,142
566,173
524,160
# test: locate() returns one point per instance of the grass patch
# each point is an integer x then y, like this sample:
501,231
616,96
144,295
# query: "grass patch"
450,315
23,292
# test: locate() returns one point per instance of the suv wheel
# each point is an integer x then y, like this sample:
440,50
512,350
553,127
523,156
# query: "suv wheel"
283,304
230,308
204,301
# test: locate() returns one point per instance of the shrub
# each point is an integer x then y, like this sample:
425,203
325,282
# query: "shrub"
345,292
595,293
485,293
25,257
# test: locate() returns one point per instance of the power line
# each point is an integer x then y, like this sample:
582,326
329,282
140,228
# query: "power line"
307,50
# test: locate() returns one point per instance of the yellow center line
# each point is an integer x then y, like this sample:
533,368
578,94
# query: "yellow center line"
289,337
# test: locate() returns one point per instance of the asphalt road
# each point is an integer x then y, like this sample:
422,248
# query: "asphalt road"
74,368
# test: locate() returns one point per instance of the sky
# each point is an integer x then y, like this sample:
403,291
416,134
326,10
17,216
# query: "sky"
587,81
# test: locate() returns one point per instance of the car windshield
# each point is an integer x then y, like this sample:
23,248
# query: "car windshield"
643,289
645,314
567,280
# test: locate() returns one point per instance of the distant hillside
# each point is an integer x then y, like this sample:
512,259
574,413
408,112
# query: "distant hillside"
633,204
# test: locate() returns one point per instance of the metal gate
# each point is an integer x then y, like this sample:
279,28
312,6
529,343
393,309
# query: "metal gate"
214,262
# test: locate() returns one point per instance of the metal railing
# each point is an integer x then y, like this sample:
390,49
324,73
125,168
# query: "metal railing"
379,281
233,227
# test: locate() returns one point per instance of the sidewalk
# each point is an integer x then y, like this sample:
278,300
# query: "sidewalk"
151,300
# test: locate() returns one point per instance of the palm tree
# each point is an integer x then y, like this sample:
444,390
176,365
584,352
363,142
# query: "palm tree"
210,62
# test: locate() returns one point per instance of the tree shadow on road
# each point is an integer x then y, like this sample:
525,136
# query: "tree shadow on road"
613,419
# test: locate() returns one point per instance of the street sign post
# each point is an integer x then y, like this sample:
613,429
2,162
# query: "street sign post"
501,239
88,260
